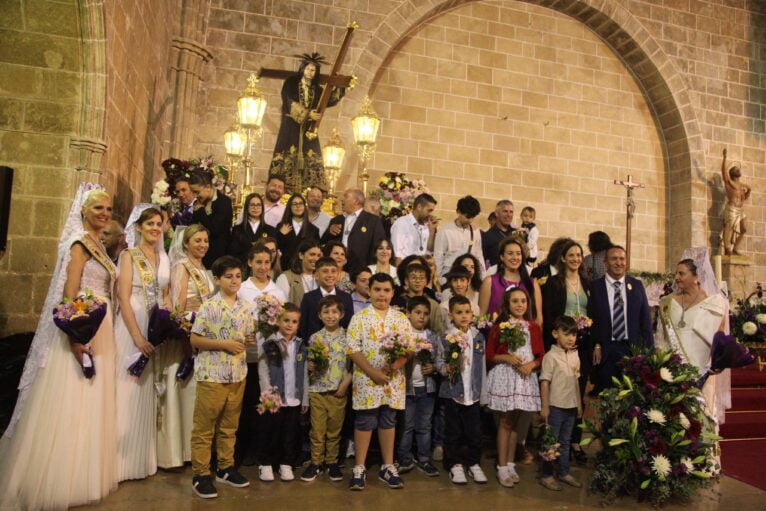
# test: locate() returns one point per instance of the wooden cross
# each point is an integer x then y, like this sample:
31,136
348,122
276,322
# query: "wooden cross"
332,80
630,210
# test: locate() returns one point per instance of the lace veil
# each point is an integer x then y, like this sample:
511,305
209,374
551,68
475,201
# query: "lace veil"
47,332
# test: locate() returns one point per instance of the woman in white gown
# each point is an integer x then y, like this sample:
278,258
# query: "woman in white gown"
60,448
190,285
144,277
690,318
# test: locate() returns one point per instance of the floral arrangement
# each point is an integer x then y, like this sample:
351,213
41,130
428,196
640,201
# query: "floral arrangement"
185,322
397,193
550,448
163,193
424,351
396,345
318,353
270,401
513,333
267,312
584,324
457,344
80,319
163,326
748,319
651,432
485,321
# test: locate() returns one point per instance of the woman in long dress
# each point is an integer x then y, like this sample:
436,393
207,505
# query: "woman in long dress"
144,276
190,285
60,448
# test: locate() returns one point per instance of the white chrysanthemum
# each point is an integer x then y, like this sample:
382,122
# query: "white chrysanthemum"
161,185
761,318
661,465
687,463
749,328
655,416
666,375
684,421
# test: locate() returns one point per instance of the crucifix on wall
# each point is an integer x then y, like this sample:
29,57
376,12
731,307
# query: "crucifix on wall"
305,96
630,207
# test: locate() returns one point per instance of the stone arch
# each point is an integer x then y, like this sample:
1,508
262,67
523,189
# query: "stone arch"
660,81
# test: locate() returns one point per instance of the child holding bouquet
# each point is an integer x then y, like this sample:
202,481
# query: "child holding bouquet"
515,349
282,364
561,404
329,381
421,391
460,359
379,386
223,326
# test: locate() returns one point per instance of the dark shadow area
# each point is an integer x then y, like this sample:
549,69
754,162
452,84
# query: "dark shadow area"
755,106
13,353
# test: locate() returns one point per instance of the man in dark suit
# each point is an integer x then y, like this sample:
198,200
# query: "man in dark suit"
357,229
621,317
326,275
491,238
213,210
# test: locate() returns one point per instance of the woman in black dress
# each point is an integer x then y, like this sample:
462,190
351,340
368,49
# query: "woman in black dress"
294,228
250,228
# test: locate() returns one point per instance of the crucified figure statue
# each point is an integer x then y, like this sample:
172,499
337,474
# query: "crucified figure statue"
734,216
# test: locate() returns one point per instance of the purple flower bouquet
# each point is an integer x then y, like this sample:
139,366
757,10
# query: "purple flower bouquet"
80,319
161,328
726,353
184,322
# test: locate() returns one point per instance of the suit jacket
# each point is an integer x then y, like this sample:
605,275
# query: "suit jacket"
288,243
554,304
218,224
310,322
639,320
243,237
365,234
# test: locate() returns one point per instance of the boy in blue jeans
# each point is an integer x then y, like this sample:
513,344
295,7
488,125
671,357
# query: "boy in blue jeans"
560,393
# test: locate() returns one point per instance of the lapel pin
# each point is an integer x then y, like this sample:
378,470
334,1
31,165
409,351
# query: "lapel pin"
364,229
630,286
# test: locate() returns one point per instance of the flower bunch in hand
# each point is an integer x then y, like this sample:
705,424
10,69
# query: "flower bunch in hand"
513,333
457,345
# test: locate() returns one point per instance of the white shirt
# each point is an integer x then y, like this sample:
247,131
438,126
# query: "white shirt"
272,215
309,284
610,294
408,237
327,293
288,363
417,369
391,271
465,374
249,293
297,227
452,241
321,222
348,224
254,225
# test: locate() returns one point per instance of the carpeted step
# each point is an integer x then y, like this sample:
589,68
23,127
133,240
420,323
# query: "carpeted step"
743,460
748,376
744,425
744,398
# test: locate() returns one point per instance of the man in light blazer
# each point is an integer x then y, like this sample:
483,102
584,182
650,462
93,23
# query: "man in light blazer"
621,316
357,229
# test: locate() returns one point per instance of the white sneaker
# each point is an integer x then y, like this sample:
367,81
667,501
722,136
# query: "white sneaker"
350,449
512,472
286,473
504,477
457,474
477,474
265,473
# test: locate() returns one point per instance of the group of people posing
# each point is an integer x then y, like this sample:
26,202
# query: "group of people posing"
348,283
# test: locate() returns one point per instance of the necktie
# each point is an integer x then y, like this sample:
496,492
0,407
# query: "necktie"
618,314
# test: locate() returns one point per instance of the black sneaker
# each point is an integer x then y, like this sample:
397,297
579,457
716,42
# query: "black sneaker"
203,487
333,471
428,468
405,466
357,479
311,473
231,477
390,476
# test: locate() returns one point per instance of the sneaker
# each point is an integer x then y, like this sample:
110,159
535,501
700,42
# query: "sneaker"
333,471
390,475
428,468
286,473
457,474
265,473
571,481
477,474
504,477
438,454
311,473
550,483
512,472
203,487
357,478
350,449
405,466
231,477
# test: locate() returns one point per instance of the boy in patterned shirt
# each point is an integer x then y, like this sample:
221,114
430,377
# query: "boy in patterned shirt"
221,331
328,389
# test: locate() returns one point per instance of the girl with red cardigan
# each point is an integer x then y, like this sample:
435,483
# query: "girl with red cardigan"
512,384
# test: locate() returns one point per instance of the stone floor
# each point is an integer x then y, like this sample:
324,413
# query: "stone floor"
172,491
